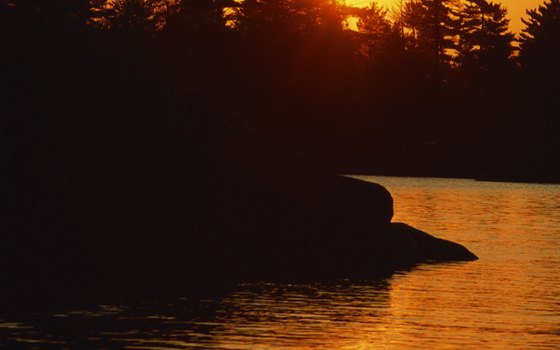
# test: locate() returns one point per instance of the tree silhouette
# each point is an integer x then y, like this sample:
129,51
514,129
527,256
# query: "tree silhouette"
434,25
202,17
540,59
410,17
485,42
375,27
539,40
128,16
293,67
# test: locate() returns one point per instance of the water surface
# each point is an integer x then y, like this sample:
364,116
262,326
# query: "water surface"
509,299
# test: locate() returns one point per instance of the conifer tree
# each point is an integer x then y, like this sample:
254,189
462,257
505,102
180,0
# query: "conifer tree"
127,16
379,37
375,26
539,40
433,24
485,42
200,16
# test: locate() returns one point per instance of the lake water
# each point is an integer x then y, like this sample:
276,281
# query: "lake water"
509,299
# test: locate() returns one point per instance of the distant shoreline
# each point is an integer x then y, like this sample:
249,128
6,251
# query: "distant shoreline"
480,179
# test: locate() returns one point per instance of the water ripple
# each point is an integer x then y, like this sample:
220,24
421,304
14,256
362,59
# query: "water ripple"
509,299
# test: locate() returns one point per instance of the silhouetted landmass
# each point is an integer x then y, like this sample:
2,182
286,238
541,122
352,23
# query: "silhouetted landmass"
184,219
398,96
159,129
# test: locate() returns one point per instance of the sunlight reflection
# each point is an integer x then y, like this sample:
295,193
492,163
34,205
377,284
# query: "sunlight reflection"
506,300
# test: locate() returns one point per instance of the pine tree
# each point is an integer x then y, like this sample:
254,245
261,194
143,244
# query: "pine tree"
378,35
485,43
128,16
373,22
200,16
410,16
433,24
539,40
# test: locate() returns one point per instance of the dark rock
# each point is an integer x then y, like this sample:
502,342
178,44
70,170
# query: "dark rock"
416,246
166,214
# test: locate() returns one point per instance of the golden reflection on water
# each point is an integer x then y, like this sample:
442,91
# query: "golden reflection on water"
509,299
292,316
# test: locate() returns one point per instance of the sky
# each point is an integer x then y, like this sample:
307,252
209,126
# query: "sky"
516,9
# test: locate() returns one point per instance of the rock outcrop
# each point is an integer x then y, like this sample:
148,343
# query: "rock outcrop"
275,217
172,214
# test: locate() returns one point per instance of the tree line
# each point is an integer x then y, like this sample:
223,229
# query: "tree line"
442,84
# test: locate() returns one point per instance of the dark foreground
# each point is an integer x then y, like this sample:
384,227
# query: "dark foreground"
468,305
129,219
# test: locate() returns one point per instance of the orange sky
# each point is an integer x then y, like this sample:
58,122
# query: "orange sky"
516,8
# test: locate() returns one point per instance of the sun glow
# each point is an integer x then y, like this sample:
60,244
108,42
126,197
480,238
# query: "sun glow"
366,3
516,8
352,21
